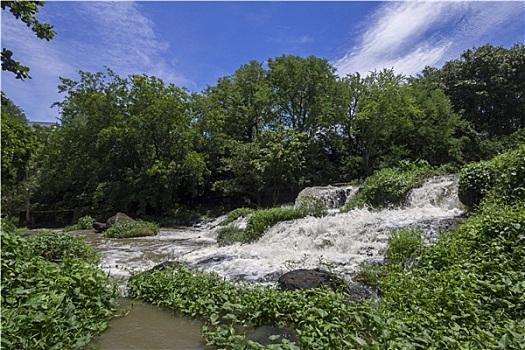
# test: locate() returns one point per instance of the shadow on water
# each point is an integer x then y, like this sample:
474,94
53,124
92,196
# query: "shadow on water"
148,327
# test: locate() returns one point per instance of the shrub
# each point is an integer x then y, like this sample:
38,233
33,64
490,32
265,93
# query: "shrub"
501,179
56,247
403,246
138,228
235,214
50,305
84,223
262,220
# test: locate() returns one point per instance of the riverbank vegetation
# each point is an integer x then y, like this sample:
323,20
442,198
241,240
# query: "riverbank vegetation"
155,151
53,294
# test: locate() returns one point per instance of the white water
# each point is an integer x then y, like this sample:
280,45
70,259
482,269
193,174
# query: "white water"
343,240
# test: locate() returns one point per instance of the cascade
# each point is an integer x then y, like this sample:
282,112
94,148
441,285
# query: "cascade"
343,240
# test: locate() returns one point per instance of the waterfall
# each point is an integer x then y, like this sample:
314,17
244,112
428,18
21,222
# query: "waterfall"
343,240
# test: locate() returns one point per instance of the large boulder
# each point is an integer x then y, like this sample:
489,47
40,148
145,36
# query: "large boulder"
307,279
316,278
331,197
118,217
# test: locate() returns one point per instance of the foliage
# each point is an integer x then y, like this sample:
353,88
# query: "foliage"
235,214
84,223
485,85
499,179
390,186
57,247
138,228
260,221
25,11
320,317
403,246
49,305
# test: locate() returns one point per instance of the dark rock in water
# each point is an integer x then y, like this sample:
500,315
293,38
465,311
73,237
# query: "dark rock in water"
163,265
214,259
118,217
263,333
100,227
307,279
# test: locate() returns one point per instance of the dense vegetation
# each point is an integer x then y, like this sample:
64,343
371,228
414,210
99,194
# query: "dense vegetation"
53,295
465,291
136,145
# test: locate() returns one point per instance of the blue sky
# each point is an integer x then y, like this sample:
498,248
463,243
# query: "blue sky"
192,44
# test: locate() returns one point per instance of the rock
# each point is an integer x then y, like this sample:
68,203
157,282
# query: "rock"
118,217
331,196
166,264
307,279
357,291
100,227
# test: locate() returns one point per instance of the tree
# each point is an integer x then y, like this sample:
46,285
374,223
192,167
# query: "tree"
132,138
25,11
273,162
19,145
487,87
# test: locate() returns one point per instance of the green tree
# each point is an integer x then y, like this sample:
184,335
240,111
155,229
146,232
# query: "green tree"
125,144
270,164
25,11
19,145
487,87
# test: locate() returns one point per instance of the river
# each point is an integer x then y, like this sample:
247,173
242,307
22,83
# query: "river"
341,240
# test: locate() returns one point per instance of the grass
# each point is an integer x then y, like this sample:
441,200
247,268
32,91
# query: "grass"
126,229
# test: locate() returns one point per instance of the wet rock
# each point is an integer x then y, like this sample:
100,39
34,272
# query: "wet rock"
167,264
331,196
357,291
316,278
307,279
100,227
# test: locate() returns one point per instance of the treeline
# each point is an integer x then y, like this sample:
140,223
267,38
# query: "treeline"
138,145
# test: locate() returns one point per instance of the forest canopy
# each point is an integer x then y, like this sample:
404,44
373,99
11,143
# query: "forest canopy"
138,145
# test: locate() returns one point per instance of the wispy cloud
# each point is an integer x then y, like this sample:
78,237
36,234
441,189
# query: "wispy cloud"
408,36
114,34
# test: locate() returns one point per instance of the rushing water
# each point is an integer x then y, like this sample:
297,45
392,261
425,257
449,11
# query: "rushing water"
343,240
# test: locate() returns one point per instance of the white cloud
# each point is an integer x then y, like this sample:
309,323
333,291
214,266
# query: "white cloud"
93,35
408,36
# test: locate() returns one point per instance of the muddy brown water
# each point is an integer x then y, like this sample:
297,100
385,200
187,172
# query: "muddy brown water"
146,326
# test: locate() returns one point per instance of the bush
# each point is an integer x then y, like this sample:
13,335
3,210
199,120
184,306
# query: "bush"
235,214
56,247
390,187
500,179
84,223
50,305
404,246
138,228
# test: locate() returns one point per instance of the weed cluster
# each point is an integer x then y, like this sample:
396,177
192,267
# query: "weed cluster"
138,228
51,301
84,223
390,186
260,221
56,247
